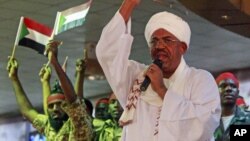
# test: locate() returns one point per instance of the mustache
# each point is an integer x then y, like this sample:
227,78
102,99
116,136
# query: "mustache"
159,52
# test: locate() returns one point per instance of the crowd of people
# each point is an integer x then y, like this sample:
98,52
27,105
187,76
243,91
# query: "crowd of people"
67,114
182,103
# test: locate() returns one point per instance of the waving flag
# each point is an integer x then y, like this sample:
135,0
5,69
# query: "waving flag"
72,17
33,35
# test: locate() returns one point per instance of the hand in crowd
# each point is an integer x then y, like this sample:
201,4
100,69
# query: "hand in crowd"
45,73
52,50
81,65
12,68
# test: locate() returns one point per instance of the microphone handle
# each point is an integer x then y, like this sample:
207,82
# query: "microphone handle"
145,84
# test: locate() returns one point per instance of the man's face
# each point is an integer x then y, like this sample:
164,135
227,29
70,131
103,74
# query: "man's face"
228,92
55,111
166,47
101,111
115,108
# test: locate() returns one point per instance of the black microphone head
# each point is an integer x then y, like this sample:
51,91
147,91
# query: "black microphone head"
158,62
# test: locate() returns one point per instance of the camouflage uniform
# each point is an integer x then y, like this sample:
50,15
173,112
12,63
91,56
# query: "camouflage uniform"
241,117
110,131
77,128
97,125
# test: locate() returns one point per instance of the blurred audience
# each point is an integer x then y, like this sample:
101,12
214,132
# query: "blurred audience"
101,115
111,130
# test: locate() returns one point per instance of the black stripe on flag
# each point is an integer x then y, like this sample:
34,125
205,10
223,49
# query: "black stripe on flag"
32,44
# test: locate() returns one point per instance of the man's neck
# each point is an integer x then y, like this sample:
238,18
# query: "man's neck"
167,75
228,111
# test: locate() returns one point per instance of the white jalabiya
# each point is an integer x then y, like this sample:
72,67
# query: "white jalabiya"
190,110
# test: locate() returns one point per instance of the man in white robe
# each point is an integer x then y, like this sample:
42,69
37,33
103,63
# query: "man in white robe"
182,103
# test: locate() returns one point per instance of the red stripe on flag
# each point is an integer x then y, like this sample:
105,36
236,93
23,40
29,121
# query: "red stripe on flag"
37,26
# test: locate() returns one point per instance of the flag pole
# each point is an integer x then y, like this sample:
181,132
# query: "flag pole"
17,37
47,64
53,34
64,66
13,51
56,26
85,53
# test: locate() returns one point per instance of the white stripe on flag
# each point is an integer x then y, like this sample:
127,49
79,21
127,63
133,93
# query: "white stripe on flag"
37,36
76,16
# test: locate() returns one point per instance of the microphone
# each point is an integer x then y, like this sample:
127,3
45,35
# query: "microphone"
147,80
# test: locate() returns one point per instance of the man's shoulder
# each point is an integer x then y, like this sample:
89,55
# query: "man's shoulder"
199,73
241,116
243,112
198,70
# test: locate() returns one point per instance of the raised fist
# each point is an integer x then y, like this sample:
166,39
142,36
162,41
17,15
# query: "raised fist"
12,68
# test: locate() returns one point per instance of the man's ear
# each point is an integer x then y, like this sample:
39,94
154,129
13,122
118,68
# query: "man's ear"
183,47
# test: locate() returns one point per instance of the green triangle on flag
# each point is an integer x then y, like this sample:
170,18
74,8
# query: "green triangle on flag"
61,22
24,32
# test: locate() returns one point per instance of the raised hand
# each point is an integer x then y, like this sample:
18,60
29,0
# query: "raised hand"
81,65
52,50
127,8
80,70
45,73
12,68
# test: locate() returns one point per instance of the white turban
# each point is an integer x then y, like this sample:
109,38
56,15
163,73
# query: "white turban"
170,22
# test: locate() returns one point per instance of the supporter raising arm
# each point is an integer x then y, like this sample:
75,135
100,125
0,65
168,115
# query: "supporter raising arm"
23,102
45,75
